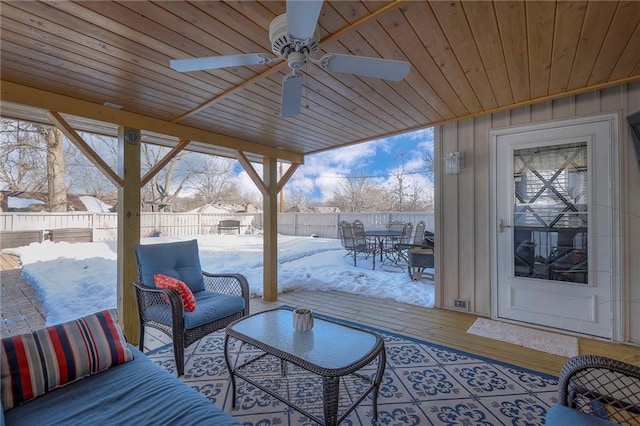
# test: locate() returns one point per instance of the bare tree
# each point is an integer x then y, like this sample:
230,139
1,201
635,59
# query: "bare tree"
358,195
166,185
213,182
55,169
418,198
429,169
25,148
398,189
23,153
294,198
83,177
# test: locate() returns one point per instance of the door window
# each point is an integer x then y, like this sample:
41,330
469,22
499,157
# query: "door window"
550,215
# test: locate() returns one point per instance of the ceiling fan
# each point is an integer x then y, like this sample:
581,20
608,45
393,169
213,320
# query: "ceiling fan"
295,38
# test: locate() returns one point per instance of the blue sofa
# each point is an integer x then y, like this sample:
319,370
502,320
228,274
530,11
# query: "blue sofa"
131,390
138,392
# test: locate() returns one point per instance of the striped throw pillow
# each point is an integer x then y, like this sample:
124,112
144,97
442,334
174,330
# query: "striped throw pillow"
33,364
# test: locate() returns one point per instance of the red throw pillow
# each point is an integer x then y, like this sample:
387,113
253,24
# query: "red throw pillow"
164,281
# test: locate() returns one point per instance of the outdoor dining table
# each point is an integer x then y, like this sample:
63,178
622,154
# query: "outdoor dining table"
380,236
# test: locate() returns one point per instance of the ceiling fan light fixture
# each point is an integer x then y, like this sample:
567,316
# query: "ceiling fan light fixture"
296,60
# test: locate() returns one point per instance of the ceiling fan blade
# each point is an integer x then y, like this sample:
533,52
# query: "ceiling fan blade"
367,67
291,95
211,62
302,17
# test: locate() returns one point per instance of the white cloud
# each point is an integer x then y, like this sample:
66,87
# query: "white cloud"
323,173
327,183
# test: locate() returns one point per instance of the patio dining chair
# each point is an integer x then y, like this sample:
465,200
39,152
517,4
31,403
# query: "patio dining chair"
209,303
345,233
354,241
418,238
390,249
394,225
362,243
419,255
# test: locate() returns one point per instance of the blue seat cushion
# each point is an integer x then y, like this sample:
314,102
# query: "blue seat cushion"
212,306
561,415
179,260
138,392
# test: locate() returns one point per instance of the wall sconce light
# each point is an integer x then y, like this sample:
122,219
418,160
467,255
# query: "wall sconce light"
453,163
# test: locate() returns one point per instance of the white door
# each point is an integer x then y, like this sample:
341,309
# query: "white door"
554,225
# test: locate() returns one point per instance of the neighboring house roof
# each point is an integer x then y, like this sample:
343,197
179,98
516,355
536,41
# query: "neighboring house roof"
225,208
24,201
94,204
209,208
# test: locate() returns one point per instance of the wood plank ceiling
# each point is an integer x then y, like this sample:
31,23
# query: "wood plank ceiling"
468,58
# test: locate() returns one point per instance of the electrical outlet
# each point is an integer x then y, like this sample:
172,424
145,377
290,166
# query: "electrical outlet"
461,304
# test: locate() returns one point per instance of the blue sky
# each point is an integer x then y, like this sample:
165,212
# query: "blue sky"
322,173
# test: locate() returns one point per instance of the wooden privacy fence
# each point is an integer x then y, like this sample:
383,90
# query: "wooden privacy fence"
104,225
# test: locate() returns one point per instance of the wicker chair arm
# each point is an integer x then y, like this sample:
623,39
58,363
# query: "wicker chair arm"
235,284
589,382
167,297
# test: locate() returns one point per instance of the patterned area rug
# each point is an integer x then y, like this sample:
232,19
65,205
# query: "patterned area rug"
544,341
424,384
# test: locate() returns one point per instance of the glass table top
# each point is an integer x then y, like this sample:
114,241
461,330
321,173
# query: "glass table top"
327,344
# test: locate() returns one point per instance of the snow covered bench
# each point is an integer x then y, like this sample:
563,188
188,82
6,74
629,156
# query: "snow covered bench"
10,239
72,235
229,225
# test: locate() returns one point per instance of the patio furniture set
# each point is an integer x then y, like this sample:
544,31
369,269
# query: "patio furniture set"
334,365
196,303
398,244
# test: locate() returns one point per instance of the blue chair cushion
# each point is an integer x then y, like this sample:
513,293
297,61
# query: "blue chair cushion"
179,260
562,415
212,306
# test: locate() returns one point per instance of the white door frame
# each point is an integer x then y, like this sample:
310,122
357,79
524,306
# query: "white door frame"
614,166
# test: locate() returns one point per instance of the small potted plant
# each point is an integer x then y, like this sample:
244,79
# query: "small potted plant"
302,319
155,232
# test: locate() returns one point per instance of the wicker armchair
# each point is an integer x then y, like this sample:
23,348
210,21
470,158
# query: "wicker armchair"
603,389
220,298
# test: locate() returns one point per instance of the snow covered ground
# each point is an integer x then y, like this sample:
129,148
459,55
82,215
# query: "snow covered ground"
73,280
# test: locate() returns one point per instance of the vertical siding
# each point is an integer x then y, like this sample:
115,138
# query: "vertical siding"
630,205
466,194
448,235
463,203
482,215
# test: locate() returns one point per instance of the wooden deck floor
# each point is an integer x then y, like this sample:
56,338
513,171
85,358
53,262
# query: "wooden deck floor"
444,327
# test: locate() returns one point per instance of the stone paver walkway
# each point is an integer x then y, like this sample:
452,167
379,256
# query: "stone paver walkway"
20,309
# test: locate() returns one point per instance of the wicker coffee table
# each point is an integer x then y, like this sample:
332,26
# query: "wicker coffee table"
313,366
